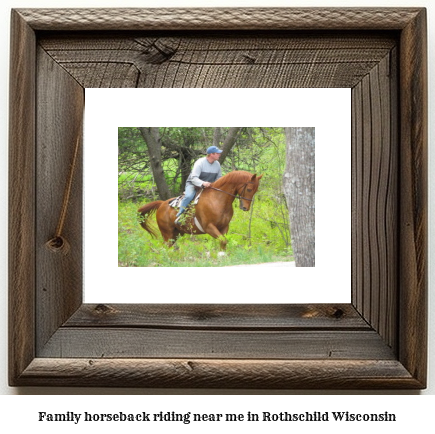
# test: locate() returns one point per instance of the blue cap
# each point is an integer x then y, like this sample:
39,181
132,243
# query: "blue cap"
213,150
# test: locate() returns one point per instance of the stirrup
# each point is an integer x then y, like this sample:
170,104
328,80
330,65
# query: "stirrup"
177,220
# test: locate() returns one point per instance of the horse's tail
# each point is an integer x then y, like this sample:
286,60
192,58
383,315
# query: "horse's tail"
145,212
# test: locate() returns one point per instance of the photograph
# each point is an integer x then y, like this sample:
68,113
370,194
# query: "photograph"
234,184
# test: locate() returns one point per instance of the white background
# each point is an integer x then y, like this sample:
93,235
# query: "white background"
416,412
328,282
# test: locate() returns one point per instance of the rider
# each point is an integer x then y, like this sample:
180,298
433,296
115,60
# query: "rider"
205,171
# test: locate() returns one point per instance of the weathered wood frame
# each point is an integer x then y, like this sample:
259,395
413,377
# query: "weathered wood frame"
377,341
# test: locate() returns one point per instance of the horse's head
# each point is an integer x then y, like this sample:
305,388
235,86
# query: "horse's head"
247,191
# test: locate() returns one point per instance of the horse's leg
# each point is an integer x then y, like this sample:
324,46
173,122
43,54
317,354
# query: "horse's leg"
165,221
171,237
215,233
223,240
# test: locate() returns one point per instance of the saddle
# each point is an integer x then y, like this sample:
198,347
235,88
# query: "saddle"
175,203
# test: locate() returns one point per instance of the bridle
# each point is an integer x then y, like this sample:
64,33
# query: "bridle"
238,196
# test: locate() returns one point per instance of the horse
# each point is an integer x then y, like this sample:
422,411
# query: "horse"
213,212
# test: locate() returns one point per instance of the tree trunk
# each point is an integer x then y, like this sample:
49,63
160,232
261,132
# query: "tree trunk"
229,142
299,190
217,133
186,164
152,139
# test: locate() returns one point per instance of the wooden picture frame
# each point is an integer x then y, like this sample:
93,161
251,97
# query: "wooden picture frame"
376,342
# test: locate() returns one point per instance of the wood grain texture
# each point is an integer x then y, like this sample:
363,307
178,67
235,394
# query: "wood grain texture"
227,374
377,342
375,203
252,317
236,60
413,187
21,197
59,279
147,342
220,18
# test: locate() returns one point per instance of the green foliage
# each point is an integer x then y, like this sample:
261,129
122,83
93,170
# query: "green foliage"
136,248
257,149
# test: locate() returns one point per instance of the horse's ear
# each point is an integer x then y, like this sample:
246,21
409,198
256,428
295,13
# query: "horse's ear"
255,177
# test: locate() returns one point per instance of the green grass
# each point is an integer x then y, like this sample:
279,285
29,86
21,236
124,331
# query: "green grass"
265,243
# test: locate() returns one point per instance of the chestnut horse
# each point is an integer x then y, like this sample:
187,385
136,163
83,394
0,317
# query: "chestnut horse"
213,211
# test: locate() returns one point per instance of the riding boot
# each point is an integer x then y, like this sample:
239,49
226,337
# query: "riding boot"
182,209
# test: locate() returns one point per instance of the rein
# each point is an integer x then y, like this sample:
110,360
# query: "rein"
235,195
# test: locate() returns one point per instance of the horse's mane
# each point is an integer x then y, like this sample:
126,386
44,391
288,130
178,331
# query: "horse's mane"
235,177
